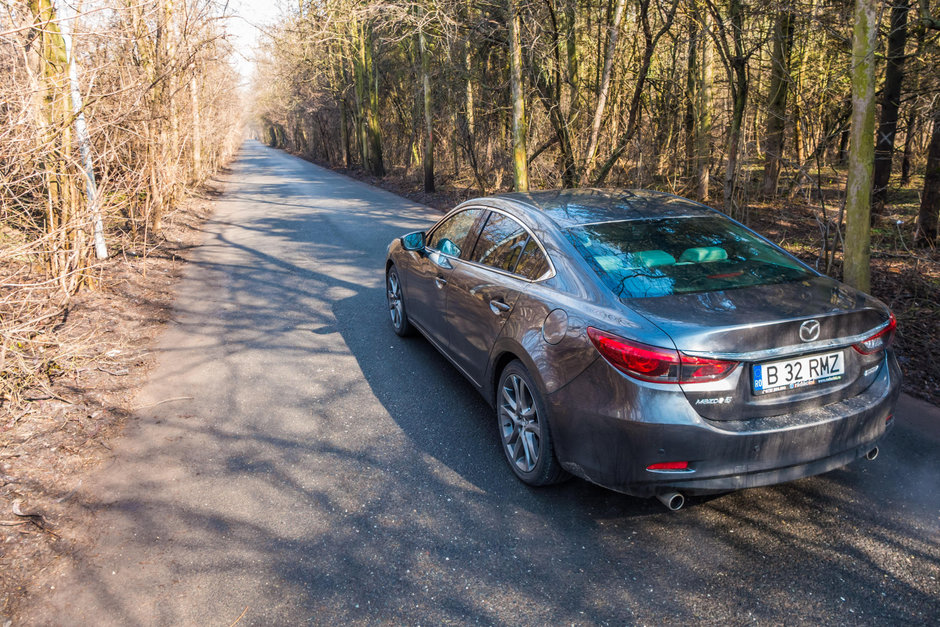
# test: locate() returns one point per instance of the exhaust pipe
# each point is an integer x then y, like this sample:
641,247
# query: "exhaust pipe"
672,500
872,454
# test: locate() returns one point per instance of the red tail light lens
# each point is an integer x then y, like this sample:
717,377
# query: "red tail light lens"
669,466
654,364
879,341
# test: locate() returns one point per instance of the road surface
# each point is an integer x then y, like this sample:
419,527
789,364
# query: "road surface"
315,468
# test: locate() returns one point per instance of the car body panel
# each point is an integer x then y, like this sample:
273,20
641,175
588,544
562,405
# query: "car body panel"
479,302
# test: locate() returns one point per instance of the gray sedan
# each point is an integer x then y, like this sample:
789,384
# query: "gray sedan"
647,343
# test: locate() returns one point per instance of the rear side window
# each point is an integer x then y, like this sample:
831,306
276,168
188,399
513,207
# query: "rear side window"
648,258
501,243
452,236
533,264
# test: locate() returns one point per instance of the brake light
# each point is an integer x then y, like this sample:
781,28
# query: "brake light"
669,466
655,364
879,341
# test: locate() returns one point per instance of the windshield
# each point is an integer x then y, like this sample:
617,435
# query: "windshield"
648,258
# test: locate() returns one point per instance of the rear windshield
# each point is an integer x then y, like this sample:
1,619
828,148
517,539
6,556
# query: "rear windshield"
648,258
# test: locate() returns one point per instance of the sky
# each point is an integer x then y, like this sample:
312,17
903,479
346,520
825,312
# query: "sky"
248,16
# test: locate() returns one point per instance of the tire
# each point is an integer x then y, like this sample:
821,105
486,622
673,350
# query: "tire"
396,304
524,434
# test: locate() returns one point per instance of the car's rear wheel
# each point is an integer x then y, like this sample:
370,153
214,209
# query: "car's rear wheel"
396,304
523,428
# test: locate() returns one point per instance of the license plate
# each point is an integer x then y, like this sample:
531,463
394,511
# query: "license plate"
790,374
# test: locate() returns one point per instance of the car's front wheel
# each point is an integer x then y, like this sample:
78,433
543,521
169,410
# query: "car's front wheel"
396,304
523,428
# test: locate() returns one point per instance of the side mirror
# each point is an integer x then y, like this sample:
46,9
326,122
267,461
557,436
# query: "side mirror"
413,241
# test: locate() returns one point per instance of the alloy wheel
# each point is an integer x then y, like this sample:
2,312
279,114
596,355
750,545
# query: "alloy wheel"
393,291
519,423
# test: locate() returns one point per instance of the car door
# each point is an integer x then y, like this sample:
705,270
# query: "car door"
484,288
430,273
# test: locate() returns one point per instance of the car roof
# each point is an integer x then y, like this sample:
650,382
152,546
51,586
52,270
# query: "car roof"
573,207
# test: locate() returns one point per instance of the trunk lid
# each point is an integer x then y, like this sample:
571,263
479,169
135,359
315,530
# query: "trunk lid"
761,325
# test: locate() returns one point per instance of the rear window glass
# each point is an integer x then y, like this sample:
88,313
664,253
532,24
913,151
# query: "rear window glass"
648,258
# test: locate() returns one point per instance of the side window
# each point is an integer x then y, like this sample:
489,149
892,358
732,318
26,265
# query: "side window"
501,243
533,263
450,236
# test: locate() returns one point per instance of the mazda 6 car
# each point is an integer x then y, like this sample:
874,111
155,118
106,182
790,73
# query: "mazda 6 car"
647,343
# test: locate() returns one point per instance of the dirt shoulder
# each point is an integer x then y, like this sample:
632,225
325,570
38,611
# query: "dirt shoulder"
62,428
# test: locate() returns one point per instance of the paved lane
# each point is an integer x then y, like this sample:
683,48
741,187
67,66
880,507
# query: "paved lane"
322,470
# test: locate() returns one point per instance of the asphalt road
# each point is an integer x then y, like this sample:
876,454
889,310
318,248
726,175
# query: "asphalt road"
305,465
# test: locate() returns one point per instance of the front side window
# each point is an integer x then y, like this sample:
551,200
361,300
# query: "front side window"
659,257
453,235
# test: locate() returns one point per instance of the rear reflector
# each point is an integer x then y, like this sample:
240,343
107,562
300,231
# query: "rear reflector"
879,341
655,364
669,466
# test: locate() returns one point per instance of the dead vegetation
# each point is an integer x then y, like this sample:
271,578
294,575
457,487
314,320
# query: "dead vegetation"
81,388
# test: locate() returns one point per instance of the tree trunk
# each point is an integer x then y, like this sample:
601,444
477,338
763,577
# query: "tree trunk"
548,82
777,101
930,199
428,122
856,271
909,133
890,102
197,126
519,161
698,120
604,88
739,97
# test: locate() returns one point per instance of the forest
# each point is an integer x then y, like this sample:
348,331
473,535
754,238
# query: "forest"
815,121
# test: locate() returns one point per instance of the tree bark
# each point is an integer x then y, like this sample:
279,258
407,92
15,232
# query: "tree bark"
890,102
777,105
930,199
699,114
520,168
739,94
197,126
856,271
428,122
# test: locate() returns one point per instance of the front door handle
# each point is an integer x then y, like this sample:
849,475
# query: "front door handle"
499,307
440,282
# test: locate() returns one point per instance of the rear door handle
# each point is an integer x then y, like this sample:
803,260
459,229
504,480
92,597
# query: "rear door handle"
440,282
498,307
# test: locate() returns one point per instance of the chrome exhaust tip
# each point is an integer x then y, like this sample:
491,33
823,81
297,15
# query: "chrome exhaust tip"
872,454
672,500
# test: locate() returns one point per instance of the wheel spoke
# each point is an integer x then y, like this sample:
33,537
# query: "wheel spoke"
514,445
529,453
535,429
510,401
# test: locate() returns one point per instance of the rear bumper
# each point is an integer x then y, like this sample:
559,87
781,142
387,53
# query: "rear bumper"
612,442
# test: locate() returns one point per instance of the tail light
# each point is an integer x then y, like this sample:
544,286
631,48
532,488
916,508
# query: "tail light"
879,341
654,364
669,466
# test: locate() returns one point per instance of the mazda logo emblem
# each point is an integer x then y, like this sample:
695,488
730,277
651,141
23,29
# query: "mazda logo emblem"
809,330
